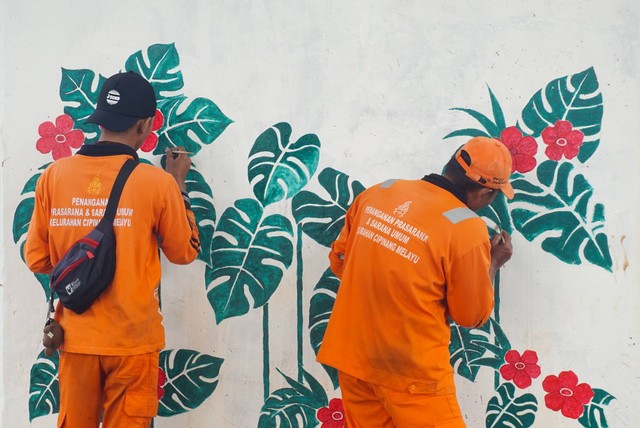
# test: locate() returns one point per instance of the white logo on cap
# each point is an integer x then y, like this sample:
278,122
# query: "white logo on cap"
113,97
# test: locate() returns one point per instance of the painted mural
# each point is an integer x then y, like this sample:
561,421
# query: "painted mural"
248,249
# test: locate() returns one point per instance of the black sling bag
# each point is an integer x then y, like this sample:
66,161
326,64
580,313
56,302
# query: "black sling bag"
87,268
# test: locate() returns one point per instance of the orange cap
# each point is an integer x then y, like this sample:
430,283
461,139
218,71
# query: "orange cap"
490,163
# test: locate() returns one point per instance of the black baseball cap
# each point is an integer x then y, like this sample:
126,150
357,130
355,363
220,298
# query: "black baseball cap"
124,98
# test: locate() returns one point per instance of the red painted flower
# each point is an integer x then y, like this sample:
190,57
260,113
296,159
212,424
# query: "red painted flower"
523,149
521,369
332,416
162,379
562,139
565,394
152,140
59,138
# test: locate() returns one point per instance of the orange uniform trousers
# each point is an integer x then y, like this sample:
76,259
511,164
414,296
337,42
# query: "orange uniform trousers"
373,406
119,390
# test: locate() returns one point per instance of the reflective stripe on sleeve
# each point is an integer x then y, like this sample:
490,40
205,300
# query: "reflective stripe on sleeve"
457,215
388,183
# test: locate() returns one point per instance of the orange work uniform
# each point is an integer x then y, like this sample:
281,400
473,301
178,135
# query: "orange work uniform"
410,255
125,320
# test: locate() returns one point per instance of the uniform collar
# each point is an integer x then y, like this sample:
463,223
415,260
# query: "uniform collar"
446,184
107,148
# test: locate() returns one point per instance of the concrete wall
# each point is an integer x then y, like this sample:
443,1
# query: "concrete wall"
370,86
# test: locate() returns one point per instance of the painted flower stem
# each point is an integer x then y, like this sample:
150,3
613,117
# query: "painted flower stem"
496,315
299,289
265,350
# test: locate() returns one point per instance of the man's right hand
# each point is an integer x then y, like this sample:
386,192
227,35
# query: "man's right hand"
501,251
178,166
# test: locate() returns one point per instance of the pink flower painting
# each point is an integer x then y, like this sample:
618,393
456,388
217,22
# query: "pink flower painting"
520,369
562,140
523,149
152,140
59,138
332,416
564,393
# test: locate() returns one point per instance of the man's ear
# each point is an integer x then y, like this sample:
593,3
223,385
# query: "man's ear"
478,198
143,126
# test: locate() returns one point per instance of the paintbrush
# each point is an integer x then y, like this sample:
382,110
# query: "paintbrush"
495,227
180,152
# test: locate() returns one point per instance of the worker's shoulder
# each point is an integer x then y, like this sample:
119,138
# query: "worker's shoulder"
152,172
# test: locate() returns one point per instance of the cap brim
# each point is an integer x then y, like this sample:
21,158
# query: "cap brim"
112,121
507,189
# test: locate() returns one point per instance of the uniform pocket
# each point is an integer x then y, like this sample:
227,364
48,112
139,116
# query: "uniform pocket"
141,405
455,408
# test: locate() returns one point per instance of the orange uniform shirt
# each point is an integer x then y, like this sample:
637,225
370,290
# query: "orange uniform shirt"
410,255
70,199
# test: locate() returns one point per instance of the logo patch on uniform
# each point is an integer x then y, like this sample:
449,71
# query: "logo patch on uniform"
401,210
94,186
113,97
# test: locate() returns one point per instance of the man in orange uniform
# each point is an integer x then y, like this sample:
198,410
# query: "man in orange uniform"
109,358
412,254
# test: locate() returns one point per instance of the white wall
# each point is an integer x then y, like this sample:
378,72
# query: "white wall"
374,80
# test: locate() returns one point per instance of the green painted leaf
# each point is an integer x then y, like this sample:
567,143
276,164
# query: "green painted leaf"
498,213
507,410
491,128
79,91
294,407
44,390
466,345
322,301
323,219
250,255
202,205
575,98
191,379
593,416
498,115
467,132
24,210
278,169
559,211
495,349
22,219
160,65
189,122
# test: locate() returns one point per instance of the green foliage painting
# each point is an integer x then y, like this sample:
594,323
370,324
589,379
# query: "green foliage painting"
250,247
187,378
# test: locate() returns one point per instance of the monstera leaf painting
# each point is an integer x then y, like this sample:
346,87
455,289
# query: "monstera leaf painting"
322,301
189,122
576,99
593,416
191,378
471,348
160,65
295,406
204,211
498,213
562,203
44,390
278,168
79,91
322,219
249,257
507,410
22,218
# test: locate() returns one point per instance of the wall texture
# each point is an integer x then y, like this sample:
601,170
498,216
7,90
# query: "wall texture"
291,109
